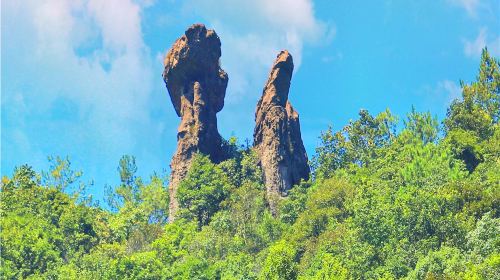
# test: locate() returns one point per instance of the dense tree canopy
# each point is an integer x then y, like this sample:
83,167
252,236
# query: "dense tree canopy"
418,202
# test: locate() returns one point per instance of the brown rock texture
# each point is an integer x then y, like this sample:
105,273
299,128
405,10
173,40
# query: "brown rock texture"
197,87
277,138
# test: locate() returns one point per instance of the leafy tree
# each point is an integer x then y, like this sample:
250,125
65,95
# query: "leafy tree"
201,192
480,104
357,143
142,208
237,266
193,268
280,263
488,269
446,263
60,175
422,126
326,266
472,119
295,203
42,228
127,169
484,240
28,247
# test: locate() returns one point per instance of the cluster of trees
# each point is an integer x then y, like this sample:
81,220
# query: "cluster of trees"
420,203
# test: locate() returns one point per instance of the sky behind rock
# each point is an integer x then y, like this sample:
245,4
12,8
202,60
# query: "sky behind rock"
82,78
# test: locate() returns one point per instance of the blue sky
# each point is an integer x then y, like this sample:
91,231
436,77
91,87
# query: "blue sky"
82,78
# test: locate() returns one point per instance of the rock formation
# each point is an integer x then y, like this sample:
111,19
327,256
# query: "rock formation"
277,137
197,87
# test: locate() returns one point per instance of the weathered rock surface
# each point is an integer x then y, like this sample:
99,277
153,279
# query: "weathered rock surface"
277,137
197,87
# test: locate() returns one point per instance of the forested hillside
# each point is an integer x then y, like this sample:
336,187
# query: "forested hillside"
416,201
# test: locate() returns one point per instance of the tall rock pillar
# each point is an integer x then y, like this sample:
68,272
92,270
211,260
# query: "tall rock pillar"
277,138
197,87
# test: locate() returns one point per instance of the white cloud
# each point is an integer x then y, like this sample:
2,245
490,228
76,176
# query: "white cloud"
470,6
330,58
473,48
253,32
120,23
450,89
443,92
89,52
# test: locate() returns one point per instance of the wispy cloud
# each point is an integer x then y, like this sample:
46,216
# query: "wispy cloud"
473,48
330,58
252,33
450,89
470,6
442,92
87,53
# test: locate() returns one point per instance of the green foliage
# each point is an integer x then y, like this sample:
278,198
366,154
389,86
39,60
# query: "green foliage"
326,266
417,204
484,240
474,118
446,263
280,263
422,126
60,175
479,108
295,203
201,192
41,226
356,143
141,208
127,170
28,247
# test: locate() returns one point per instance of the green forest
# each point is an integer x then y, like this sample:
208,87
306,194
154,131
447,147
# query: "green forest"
408,197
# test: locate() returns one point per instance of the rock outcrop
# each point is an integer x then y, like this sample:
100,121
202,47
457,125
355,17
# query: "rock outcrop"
277,137
197,87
